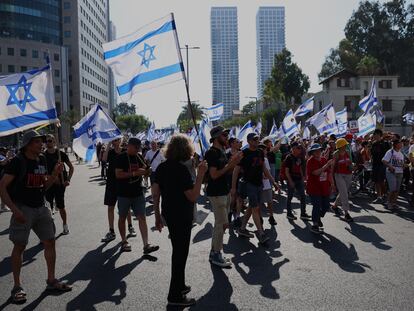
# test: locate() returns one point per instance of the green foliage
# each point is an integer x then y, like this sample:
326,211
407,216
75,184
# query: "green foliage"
134,123
124,109
185,121
384,32
249,108
287,81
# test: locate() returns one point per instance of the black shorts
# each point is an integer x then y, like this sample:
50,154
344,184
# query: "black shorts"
110,198
378,173
152,178
56,193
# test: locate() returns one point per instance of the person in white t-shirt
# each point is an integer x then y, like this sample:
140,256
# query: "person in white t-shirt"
154,158
394,162
266,197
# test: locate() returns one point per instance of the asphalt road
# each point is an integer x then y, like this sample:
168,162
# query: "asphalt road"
366,265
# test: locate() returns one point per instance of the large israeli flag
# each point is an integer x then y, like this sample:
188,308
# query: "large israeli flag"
324,121
148,58
370,100
274,131
258,128
366,124
214,113
305,108
289,126
244,131
96,126
204,136
27,100
342,122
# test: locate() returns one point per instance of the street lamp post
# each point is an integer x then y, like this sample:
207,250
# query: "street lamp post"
186,48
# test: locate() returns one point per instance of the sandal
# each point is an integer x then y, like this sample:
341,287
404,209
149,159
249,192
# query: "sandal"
58,286
125,247
18,294
150,248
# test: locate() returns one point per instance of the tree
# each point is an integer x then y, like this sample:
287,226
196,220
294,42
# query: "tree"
132,122
249,108
185,121
384,32
287,80
124,109
368,66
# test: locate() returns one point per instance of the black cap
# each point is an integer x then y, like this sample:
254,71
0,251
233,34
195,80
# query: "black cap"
134,141
252,136
217,131
295,144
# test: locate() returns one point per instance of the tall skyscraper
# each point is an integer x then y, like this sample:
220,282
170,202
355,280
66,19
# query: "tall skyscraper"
112,85
225,58
270,39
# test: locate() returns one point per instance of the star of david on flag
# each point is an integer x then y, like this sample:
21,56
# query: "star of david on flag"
148,58
27,101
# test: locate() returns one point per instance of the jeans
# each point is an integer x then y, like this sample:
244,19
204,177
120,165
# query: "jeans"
300,188
221,208
320,207
179,227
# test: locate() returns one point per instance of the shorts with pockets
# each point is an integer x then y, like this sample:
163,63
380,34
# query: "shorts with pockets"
56,193
136,204
253,193
110,194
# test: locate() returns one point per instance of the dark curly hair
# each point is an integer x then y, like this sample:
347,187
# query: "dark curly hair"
180,148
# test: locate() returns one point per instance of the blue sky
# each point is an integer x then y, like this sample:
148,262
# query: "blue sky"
312,28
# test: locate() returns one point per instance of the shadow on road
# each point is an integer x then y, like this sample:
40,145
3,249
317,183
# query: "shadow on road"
203,234
368,235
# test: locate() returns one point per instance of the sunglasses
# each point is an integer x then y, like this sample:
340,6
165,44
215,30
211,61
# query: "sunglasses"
49,141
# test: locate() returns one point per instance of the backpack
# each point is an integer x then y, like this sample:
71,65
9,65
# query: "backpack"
12,189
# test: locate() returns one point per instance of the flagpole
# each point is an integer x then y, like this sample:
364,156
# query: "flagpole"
190,107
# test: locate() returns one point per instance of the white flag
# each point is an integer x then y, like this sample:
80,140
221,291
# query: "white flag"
214,113
366,124
289,126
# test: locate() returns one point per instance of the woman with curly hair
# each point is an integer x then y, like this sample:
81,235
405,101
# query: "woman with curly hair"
173,183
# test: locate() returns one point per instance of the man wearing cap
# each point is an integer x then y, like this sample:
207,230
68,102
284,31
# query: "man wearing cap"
253,168
22,188
218,190
130,167
57,191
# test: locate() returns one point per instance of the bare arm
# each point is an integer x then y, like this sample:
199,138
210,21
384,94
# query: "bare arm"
71,169
5,197
120,174
193,194
236,173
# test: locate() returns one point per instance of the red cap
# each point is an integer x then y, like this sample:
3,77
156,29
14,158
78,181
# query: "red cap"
349,136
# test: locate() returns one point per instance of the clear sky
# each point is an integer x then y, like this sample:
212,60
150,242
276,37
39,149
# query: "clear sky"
312,28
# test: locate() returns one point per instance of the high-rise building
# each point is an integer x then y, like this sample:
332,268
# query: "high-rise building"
225,58
112,85
30,31
85,28
270,39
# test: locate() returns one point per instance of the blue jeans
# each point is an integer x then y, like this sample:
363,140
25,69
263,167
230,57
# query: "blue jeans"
320,207
300,188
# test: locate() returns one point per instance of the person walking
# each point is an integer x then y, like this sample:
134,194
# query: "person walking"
218,190
154,158
110,197
56,193
22,190
378,149
394,161
178,197
319,185
342,167
129,170
253,168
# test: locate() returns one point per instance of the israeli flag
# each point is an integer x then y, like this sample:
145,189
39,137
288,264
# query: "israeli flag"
96,126
214,113
289,126
409,118
27,100
324,121
151,135
244,131
305,108
204,133
274,131
342,123
141,135
306,133
148,58
258,128
370,100
379,115
366,124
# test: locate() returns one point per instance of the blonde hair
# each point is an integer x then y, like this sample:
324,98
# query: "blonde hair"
180,148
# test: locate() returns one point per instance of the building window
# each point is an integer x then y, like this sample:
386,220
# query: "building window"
387,105
56,57
1,68
10,68
66,19
385,84
57,88
35,54
388,120
342,82
67,34
23,52
10,51
66,5
23,68
57,73
409,105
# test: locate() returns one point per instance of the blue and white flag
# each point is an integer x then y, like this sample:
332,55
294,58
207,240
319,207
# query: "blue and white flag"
379,115
305,108
244,131
306,133
96,126
148,58
370,100
324,121
28,101
151,135
214,113
204,136
258,128
366,124
409,118
289,126
342,123
274,131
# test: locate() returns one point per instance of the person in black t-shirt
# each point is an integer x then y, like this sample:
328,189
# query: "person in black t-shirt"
110,197
174,184
22,190
236,204
294,171
378,149
129,169
57,191
218,190
253,167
